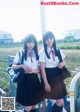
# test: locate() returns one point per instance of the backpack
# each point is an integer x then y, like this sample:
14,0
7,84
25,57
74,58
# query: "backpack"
16,76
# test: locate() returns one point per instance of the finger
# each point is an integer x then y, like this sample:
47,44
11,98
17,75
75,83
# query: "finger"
49,91
30,72
29,69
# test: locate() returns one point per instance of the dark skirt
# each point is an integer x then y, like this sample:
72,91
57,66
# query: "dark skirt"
58,87
28,92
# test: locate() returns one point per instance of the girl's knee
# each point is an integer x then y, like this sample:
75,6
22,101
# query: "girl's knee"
59,102
28,108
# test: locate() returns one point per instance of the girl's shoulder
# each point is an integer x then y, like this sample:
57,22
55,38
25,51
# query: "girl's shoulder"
20,53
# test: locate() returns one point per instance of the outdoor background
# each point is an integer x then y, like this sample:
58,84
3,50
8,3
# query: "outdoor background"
70,49
21,17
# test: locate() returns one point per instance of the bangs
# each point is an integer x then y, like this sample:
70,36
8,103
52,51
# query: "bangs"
48,35
48,38
30,38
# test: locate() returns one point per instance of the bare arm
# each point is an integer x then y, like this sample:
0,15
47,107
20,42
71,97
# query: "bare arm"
25,67
43,73
61,65
15,66
47,86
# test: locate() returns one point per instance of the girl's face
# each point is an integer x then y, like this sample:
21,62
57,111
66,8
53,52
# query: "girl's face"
30,45
49,42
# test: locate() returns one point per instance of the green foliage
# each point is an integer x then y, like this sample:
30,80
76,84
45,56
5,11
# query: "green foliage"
40,42
70,45
69,38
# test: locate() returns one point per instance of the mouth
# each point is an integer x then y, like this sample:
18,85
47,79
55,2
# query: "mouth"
31,47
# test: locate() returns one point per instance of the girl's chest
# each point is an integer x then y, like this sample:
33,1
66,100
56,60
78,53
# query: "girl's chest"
31,63
52,63
52,60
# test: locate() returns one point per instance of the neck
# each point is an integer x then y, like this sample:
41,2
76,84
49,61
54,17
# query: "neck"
30,50
50,47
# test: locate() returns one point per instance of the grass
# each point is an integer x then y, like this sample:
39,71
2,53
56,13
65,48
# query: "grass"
70,45
72,61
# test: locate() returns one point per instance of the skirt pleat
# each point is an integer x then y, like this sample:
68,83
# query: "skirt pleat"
58,87
28,92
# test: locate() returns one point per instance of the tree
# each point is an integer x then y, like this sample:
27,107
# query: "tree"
69,38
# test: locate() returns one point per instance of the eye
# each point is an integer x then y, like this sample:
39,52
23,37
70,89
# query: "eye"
51,38
32,42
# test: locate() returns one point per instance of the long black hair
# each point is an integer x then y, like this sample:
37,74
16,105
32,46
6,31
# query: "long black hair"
30,38
45,37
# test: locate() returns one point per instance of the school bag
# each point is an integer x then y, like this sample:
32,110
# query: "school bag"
65,73
16,76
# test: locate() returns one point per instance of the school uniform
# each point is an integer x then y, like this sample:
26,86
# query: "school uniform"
28,90
53,74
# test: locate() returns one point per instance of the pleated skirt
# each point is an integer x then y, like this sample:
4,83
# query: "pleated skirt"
58,87
29,91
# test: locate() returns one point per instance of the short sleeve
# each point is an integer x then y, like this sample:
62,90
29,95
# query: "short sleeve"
62,54
17,58
42,56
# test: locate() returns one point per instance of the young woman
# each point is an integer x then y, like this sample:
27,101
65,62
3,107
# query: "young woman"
54,87
28,90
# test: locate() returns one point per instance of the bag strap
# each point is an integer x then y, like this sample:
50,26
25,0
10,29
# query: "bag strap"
59,56
19,53
22,58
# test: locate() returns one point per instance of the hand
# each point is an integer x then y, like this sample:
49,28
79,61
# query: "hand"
47,87
32,71
61,65
36,71
26,68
